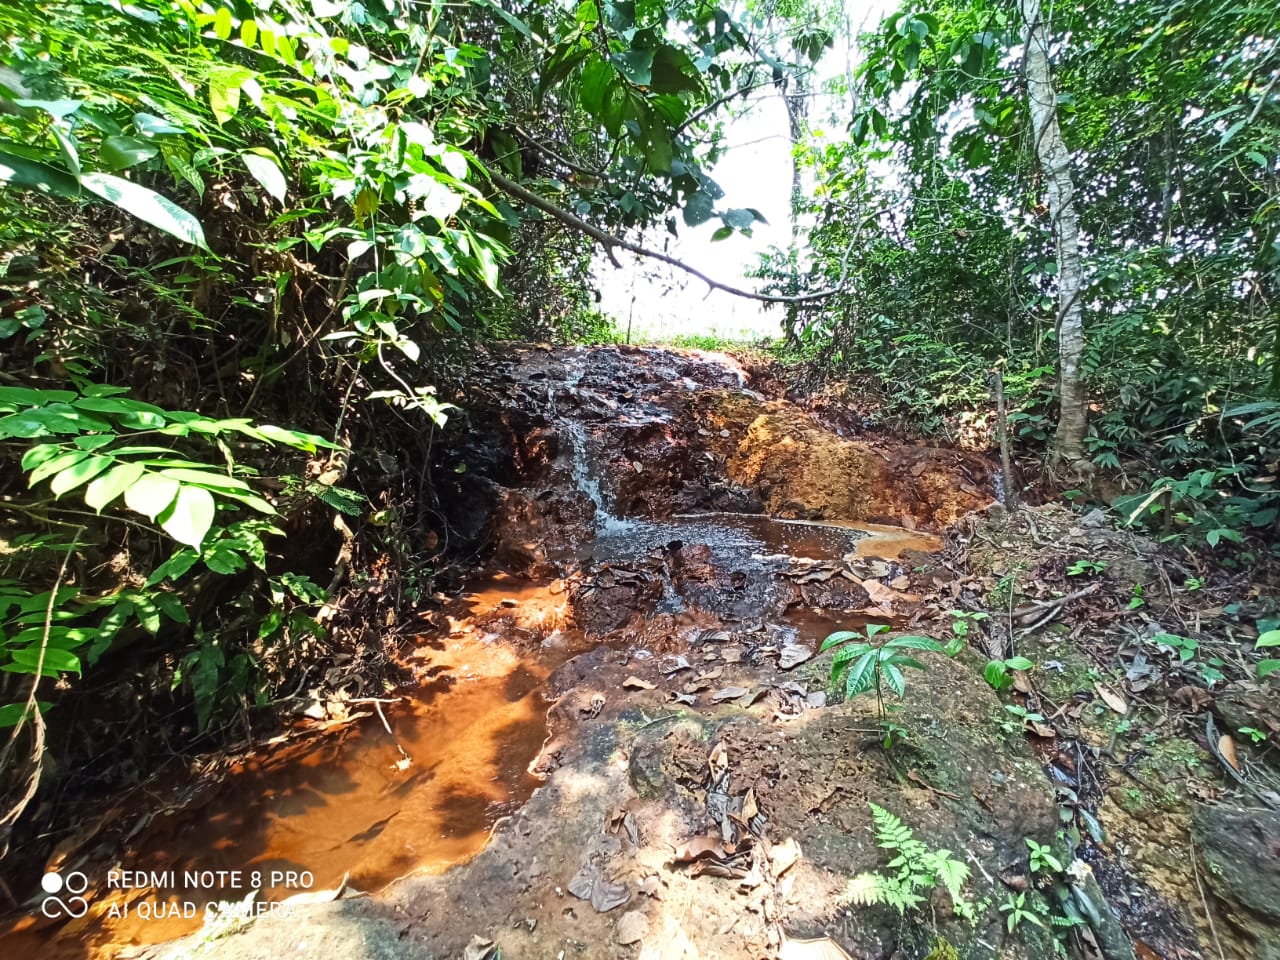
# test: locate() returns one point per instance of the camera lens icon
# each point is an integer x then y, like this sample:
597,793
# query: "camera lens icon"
73,883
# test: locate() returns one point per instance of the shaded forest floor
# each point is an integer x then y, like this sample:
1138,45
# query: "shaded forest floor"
620,740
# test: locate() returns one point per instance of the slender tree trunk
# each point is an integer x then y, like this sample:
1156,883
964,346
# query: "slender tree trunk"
1055,164
796,102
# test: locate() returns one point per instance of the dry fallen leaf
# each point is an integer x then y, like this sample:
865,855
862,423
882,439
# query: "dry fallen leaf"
633,926
1227,747
878,592
635,683
794,655
783,856
1111,698
697,849
729,693
480,949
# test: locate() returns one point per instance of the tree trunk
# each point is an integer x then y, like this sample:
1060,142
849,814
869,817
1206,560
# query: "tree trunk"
795,99
1055,164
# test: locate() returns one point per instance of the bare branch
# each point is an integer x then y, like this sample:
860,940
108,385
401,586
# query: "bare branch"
610,243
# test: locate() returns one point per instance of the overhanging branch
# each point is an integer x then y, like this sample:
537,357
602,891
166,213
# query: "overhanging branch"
610,242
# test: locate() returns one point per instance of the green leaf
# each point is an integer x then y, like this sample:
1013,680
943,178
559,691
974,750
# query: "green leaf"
698,208
12,713
173,568
172,607
861,676
222,23
146,205
997,675
1267,667
264,168
673,72
1270,638
79,473
1019,663
58,463
151,494
55,661
894,678
839,637
224,91
119,153
190,516
111,484
635,65
33,175
915,643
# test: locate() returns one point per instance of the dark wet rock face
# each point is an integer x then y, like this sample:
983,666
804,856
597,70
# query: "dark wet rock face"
645,433
1240,850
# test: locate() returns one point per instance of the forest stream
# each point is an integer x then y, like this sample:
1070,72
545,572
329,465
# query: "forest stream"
621,740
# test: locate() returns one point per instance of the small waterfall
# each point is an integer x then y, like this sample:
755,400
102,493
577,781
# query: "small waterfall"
583,479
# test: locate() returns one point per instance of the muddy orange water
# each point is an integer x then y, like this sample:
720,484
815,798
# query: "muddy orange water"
347,806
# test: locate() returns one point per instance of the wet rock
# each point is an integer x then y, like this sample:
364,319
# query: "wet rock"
651,769
1241,852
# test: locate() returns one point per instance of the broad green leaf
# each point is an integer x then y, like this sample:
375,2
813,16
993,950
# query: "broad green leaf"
173,568
211,479
34,175
111,484
149,125
12,713
190,516
58,109
861,675
55,661
894,678
41,453
1019,663
635,65
996,675
224,91
172,607
1270,638
264,168
840,636
120,153
60,462
147,205
1267,667
151,494
80,473
222,23
915,643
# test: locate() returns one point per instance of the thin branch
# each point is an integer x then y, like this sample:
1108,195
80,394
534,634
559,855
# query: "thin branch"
546,151
32,707
610,242
716,104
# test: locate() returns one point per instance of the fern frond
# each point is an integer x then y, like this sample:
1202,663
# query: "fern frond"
339,498
951,873
864,890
